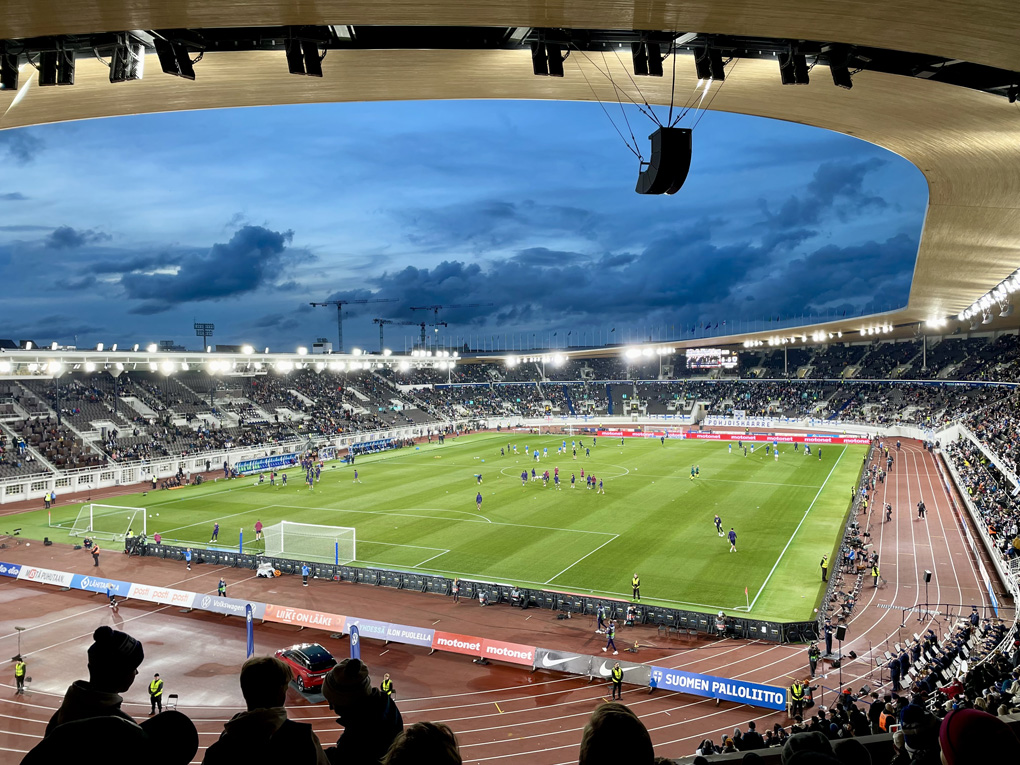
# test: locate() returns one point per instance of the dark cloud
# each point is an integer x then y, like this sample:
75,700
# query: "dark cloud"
140,263
24,227
279,322
19,146
836,187
46,329
540,256
254,256
80,283
13,196
67,238
490,224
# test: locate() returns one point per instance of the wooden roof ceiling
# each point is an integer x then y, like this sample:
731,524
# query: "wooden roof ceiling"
966,143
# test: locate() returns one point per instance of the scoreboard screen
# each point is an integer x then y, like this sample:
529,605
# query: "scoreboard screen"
711,358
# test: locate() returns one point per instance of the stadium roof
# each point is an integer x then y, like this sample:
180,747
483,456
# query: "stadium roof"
966,141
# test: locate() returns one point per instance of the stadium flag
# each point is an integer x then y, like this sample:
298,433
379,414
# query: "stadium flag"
240,542
747,598
355,642
249,619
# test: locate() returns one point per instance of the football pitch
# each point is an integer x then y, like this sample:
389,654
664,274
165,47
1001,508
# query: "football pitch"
415,509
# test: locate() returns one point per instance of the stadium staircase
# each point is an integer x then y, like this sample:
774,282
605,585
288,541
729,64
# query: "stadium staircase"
12,439
609,397
570,402
842,406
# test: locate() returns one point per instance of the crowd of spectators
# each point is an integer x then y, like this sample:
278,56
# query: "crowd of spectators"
990,493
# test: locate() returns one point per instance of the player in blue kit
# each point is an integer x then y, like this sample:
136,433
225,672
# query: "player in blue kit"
556,481
733,540
524,478
533,474
573,479
478,501
718,524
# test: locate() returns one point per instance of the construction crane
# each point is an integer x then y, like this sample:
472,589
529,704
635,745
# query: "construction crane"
398,322
340,314
437,308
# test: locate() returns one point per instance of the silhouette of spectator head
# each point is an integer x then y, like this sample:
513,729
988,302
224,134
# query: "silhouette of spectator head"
850,751
810,747
169,738
966,732
429,742
264,681
114,659
614,734
346,685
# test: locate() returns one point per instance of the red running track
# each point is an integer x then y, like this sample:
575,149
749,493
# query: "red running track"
500,713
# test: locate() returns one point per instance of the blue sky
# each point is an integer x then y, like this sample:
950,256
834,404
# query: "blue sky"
130,229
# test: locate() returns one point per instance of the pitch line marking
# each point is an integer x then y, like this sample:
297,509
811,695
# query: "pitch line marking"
794,534
615,537
444,552
459,520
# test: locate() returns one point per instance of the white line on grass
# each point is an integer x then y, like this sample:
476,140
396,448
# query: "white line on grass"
432,558
615,537
459,520
790,541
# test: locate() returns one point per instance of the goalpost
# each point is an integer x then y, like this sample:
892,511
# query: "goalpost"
310,541
112,522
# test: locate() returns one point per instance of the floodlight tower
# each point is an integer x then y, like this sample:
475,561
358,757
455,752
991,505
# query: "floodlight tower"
204,330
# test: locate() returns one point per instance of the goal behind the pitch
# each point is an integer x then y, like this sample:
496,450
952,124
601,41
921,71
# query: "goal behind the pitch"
112,522
310,541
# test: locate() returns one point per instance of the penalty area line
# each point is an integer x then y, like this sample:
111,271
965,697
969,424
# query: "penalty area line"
615,537
794,534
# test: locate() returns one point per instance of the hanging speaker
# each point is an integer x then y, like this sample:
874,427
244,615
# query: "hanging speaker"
927,577
841,632
669,164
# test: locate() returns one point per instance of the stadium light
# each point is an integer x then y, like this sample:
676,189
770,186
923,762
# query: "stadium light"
53,346
302,351
386,352
33,367
404,366
355,351
185,366
90,366
99,346
247,350
151,348
28,345
153,366
5,367
55,367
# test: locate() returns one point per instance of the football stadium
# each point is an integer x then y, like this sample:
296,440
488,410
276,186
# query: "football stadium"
628,488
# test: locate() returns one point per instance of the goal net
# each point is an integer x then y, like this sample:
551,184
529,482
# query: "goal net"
113,522
310,541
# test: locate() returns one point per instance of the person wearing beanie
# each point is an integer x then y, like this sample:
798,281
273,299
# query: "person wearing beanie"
970,735
370,719
264,732
114,659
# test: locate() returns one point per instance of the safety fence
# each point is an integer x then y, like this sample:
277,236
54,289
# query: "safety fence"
533,657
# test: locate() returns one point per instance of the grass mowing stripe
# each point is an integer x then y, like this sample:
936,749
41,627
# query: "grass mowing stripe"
415,509
794,534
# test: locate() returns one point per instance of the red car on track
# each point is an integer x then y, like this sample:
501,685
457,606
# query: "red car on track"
309,662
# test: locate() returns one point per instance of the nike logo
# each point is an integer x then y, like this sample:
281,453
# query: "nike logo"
547,662
605,670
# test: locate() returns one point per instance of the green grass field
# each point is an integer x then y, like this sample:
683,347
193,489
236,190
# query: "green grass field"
415,509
